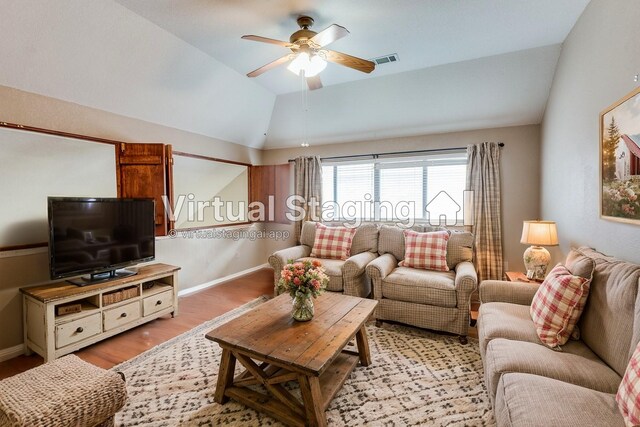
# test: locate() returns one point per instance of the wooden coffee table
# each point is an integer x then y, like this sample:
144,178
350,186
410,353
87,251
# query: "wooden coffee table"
274,349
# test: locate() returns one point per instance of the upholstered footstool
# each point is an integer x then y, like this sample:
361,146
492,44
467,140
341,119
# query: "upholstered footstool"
64,392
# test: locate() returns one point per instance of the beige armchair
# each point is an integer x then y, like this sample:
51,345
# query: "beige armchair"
346,276
423,298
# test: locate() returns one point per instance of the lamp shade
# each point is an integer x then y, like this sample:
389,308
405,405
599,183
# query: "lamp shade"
539,233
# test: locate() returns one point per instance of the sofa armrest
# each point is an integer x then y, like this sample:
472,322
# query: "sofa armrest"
382,266
511,292
355,265
466,277
377,270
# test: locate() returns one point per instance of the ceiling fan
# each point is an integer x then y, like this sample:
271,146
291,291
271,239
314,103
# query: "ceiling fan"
308,54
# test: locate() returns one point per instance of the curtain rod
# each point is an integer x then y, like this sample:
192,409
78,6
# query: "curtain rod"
375,155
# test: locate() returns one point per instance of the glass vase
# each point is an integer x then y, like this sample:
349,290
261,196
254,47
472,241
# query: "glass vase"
302,310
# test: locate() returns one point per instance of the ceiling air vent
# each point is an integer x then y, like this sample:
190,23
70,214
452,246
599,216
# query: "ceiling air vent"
386,59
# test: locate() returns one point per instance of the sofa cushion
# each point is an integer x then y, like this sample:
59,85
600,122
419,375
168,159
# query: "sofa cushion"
365,239
459,248
425,250
610,322
576,364
628,396
420,286
530,400
558,304
579,264
332,242
333,269
505,320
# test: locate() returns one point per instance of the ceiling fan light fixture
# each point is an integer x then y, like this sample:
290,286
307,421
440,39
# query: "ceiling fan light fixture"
311,66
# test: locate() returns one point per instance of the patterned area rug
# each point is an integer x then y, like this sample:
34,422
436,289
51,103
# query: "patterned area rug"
416,378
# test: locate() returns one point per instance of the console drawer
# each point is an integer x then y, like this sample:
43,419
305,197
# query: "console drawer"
157,302
122,315
78,330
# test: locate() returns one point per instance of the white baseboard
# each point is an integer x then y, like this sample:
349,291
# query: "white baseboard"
11,352
221,280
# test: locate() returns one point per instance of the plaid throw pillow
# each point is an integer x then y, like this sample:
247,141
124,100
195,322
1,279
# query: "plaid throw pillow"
332,242
425,250
558,304
628,396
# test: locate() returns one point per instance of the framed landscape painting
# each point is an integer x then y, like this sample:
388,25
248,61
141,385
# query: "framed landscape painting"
620,160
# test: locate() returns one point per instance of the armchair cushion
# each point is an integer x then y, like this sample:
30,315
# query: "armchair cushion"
332,242
333,269
420,286
308,233
365,239
459,248
425,250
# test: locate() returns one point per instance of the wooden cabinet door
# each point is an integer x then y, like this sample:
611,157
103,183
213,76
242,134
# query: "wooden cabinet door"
271,180
142,173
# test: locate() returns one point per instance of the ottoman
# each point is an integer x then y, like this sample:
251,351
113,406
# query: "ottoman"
64,392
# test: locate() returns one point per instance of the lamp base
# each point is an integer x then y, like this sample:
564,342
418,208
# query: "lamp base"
536,260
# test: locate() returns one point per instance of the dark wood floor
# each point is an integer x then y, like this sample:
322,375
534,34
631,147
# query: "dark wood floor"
194,310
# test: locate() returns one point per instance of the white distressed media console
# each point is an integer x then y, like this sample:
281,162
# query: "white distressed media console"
107,309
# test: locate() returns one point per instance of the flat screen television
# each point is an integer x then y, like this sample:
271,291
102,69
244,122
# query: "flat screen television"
99,236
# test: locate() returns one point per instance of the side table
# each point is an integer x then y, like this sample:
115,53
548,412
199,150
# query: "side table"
518,276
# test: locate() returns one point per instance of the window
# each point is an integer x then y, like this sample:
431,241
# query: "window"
424,188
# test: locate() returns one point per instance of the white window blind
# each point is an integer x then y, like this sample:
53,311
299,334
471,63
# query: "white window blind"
394,188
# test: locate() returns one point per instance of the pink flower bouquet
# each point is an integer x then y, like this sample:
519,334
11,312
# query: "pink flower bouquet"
303,278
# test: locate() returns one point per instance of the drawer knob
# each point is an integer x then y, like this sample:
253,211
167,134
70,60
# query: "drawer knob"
123,315
159,302
80,329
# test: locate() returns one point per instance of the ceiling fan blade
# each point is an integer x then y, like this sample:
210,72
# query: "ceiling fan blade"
329,35
266,40
314,83
269,66
348,61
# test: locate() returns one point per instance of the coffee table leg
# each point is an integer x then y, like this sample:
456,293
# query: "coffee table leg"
363,346
312,398
225,375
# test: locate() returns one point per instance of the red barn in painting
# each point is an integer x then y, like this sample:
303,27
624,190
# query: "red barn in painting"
628,157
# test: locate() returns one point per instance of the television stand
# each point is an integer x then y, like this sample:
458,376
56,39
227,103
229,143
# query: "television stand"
101,277
60,318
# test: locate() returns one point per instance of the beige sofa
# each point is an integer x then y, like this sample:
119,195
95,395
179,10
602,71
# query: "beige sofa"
426,299
346,276
532,385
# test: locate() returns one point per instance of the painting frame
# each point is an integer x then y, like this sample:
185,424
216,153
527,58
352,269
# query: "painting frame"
619,160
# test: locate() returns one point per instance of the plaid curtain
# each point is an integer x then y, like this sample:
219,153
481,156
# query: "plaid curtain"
308,184
483,178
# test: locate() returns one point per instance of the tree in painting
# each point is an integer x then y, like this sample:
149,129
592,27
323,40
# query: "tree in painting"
609,147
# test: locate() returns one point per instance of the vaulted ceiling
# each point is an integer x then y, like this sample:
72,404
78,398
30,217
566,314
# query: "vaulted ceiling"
463,65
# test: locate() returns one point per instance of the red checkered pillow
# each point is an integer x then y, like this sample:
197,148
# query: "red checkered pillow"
628,396
425,250
558,304
332,242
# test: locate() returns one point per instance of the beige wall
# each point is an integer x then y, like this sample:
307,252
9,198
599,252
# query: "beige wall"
596,68
202,260
520,163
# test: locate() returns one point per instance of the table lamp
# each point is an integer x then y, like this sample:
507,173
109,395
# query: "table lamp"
536,258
